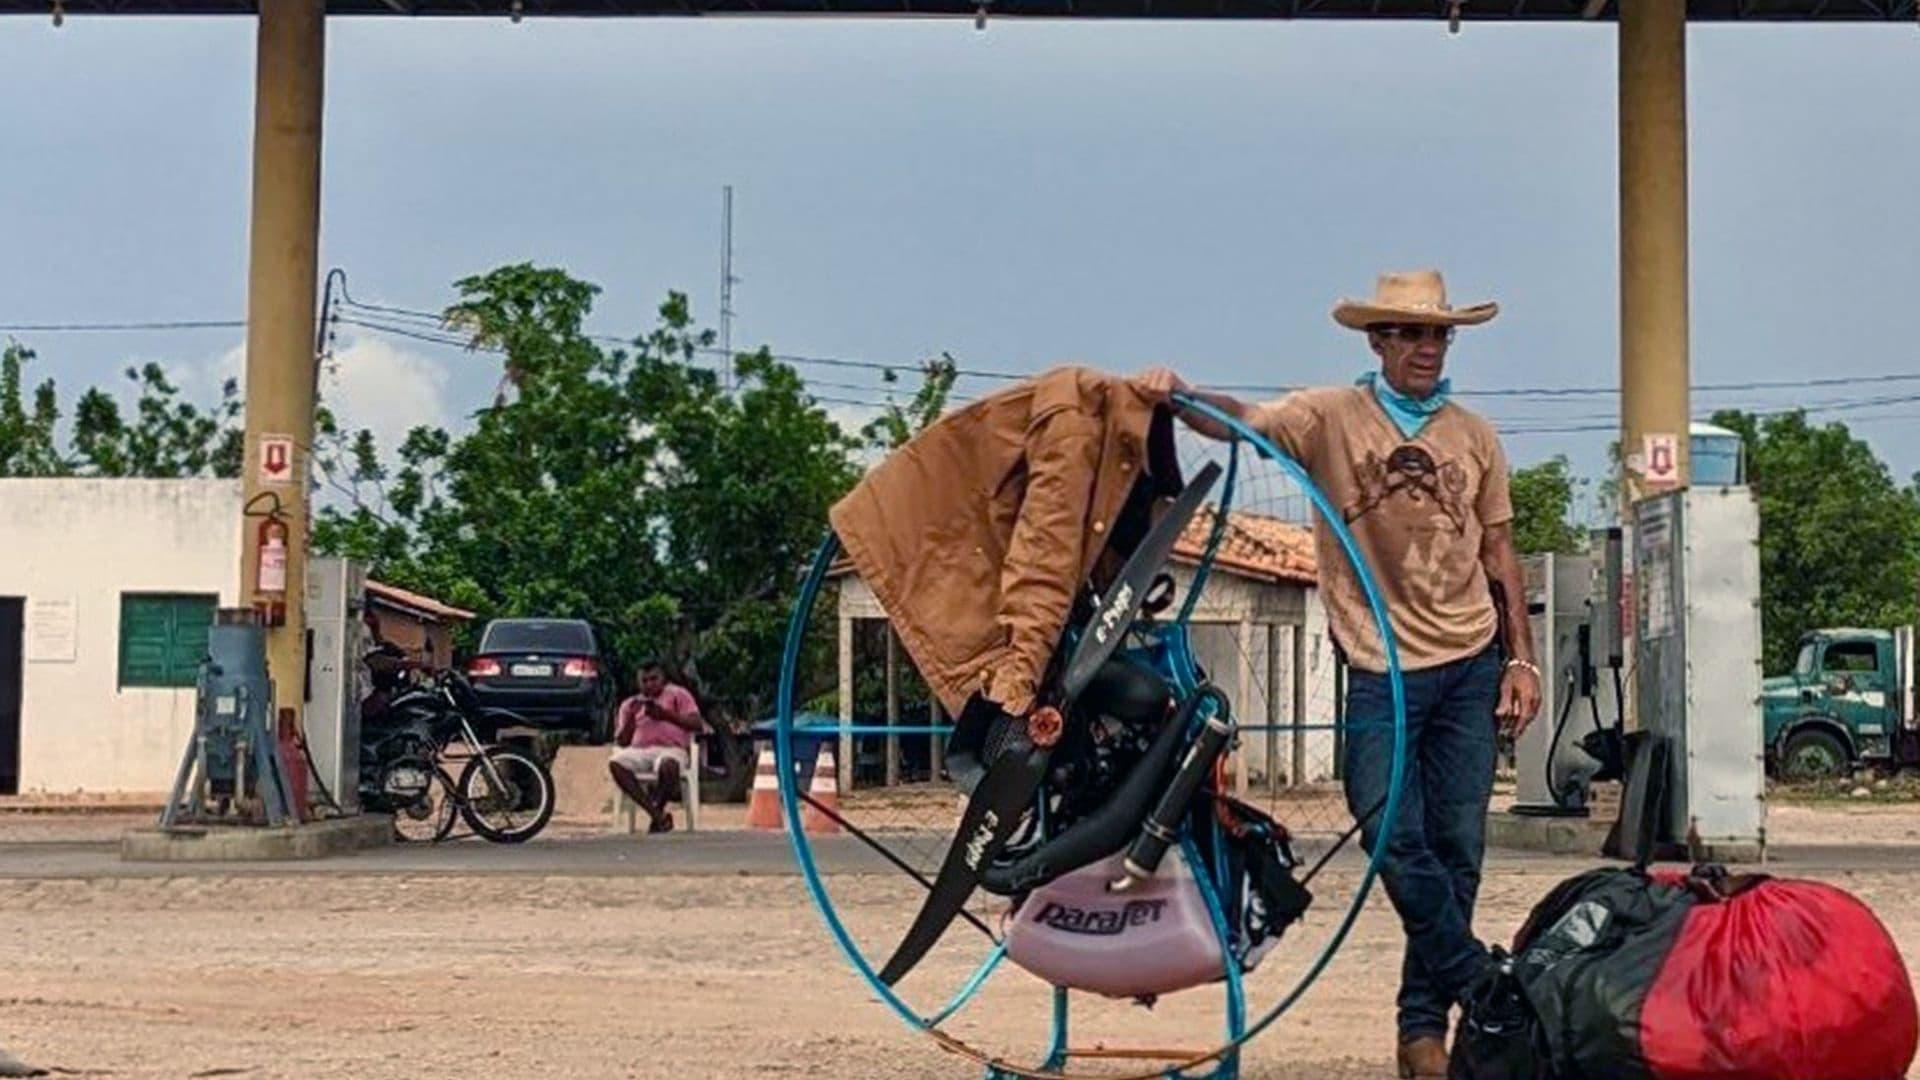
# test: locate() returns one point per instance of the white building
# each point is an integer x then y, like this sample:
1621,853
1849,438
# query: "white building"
106,589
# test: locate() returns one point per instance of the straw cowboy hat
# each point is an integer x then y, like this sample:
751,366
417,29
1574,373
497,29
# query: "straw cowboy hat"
1414,296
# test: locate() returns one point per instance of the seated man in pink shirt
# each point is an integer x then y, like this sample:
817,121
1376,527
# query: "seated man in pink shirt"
651,736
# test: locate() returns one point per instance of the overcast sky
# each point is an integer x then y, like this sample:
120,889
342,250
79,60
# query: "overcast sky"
1116,194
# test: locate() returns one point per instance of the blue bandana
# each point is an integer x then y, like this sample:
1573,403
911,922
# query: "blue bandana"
1409,414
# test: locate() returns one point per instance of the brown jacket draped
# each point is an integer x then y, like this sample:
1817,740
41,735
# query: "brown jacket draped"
976,535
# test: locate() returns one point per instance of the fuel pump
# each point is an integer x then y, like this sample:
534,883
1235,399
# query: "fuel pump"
1573,603
232,765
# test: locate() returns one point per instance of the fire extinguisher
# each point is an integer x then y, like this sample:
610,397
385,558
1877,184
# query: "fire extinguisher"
270,594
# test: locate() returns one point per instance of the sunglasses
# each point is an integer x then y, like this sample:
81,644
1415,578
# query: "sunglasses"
1413,332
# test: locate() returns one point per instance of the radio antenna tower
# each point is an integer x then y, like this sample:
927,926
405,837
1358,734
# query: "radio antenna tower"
727,281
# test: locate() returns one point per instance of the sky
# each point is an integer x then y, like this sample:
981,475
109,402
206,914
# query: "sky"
1118,194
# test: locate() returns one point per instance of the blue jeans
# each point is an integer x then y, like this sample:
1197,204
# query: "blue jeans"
1431,868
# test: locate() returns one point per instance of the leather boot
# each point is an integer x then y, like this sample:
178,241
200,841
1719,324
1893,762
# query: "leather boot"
1423,1057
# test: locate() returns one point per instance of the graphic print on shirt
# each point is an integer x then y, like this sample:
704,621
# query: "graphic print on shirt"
1410,471
1429,497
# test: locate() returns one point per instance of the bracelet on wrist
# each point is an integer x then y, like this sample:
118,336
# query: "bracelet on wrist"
1528,664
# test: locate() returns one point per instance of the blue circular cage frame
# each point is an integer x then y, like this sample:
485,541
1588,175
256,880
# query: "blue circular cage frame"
1175,656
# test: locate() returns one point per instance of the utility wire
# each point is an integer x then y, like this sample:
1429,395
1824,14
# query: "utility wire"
1525,425
117,327
1843,406
454,342
1273,388
432,328
439,325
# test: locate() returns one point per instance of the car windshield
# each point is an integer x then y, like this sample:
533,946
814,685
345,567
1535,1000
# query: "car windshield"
1804,665
537,636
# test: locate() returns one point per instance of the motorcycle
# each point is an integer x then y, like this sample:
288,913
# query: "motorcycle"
504,794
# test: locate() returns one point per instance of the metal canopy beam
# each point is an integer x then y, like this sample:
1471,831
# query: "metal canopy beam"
1522,11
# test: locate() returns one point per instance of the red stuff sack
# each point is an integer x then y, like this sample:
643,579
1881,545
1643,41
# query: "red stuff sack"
1780,979
1702,975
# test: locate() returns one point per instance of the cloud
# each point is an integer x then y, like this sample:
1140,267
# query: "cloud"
851,419
370,384
231,365
373,384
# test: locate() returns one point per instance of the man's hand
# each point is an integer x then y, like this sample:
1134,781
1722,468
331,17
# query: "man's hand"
1519,699
1160,383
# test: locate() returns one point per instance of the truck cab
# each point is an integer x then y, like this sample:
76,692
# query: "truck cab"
1849,702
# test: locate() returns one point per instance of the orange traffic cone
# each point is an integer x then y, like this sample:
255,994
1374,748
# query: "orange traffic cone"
825,791
763,806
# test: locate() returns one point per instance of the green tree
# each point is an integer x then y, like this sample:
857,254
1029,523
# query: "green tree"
1839,538
622,485
28,445
897,422
347,463
1543,500
166,437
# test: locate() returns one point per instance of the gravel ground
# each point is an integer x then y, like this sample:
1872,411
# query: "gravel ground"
586,977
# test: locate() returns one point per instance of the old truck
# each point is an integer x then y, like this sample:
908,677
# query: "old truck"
1848,704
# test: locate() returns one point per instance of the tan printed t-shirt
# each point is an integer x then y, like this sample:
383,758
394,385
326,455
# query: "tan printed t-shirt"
1417,508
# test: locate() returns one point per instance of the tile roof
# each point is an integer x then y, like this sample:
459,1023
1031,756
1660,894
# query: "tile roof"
1255,546
425,605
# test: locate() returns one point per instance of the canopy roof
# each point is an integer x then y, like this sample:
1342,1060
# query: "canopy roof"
1470,10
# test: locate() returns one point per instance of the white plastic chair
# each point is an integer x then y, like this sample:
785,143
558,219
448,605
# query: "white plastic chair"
626,812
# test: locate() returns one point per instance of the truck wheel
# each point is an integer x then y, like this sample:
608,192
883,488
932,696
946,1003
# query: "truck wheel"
1813,755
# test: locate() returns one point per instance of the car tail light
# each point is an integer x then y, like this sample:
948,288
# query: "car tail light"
580,668
483,667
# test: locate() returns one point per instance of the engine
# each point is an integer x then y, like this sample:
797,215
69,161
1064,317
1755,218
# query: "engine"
1110,732
1113,761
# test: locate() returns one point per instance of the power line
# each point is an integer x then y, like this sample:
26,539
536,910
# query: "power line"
432,328
1834,406
439,322
1600,391
1562,423
443,337
118,327
1529,425
465,344
422,335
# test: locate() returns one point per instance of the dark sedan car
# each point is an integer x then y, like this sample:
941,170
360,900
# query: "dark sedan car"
554,672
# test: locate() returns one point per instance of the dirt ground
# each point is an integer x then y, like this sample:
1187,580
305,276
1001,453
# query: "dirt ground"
586,977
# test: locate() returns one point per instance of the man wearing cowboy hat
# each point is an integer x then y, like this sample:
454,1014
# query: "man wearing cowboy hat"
1422,484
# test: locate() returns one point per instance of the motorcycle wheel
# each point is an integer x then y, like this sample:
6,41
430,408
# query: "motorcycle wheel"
515,810
431,818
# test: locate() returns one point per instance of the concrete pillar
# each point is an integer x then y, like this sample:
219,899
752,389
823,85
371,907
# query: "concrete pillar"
1243,642
1273,709
893,706
1339,720
1653,236
936,742
845,770
282,277
1298,774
